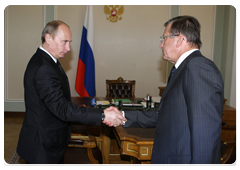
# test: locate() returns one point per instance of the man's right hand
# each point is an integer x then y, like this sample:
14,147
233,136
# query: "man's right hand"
113,117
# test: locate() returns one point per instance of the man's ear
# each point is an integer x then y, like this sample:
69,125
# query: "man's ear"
180,40
48,38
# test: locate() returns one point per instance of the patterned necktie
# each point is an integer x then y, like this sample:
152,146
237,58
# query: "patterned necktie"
172,72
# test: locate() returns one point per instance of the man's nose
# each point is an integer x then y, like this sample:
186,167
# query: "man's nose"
68,47
161,45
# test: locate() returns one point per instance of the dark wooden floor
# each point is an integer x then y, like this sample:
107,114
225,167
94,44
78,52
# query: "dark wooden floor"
12,126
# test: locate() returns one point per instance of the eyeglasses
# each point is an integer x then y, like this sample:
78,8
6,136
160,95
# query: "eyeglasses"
163,37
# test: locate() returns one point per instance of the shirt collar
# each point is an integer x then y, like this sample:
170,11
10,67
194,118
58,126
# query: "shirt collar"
183,57
54,59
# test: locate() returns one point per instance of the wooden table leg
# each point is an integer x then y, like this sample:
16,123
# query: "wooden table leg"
105,134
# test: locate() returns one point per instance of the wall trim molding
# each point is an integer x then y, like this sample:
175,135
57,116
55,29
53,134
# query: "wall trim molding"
14,106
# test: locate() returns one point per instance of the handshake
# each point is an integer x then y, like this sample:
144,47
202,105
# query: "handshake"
113,117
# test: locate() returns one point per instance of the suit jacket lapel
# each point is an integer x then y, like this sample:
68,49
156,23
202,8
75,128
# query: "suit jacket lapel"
178,71
51,62
56,68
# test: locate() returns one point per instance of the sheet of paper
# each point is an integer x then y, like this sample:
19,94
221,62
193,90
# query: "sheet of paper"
103,102
156,99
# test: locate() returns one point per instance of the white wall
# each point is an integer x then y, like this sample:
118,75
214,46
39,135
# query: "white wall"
22,37
232,100
127,48
206,16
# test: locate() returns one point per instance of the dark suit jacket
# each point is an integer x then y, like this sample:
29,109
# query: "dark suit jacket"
45,132
188,120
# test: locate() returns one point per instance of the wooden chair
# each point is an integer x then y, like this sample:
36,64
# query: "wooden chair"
161,89
82,147
120,88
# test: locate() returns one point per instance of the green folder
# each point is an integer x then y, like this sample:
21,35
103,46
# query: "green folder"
123,100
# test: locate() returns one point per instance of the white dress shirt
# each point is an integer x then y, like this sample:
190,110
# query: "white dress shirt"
54,59
183,57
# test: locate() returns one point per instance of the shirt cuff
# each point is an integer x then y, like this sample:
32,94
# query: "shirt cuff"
123,116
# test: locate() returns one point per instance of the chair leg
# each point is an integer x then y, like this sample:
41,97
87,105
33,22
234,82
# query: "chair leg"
91,157
226,156
230,145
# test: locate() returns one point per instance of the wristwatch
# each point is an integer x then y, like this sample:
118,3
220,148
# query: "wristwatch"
103,116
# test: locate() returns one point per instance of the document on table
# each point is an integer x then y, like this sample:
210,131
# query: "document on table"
156,99
103,102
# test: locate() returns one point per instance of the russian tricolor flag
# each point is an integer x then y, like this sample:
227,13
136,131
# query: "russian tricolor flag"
85,80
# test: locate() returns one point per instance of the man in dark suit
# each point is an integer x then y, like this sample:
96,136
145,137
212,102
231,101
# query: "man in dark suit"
188,120
46,130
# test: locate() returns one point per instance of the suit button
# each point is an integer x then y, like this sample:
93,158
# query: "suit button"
156,131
